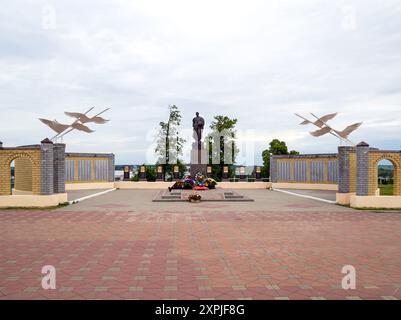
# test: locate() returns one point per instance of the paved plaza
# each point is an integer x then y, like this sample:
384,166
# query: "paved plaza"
121,245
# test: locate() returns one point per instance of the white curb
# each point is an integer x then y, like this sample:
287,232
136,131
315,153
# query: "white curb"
305,196
91,196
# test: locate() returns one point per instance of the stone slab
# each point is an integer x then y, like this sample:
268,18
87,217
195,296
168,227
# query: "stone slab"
207,195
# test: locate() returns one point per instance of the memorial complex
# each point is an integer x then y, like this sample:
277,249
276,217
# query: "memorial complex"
216,151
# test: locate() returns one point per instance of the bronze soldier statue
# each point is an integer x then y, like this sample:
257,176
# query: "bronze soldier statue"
198,124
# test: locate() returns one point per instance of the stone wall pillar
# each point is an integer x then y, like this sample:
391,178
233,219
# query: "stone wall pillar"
343,170
46,167
362,169
273,169
59,168
111,168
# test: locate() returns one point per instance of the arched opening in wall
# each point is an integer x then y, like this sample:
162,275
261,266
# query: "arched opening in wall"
385,177
21,176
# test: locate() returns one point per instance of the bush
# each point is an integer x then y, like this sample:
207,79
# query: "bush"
150,173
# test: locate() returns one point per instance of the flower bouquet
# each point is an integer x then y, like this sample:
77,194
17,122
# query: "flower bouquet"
194,198
200,182
211,183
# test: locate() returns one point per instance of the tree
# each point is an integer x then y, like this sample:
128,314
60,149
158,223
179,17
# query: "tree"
277,147
182,168
169,143
223,134
150,173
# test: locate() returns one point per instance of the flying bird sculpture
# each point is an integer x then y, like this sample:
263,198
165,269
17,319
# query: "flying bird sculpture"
320,132
348,130
81,127
79,124
83,118
321,122
55,126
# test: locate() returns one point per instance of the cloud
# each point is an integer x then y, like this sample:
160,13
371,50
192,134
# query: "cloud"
258,61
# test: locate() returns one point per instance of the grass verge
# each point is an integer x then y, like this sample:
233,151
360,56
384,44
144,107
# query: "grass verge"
61,205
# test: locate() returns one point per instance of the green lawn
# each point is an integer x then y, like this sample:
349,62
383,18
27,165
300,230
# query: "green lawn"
386,189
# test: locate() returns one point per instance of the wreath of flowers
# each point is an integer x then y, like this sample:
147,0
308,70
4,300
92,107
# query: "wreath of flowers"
194,197
199,182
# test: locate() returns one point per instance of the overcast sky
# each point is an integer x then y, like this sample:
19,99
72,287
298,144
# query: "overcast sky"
257,61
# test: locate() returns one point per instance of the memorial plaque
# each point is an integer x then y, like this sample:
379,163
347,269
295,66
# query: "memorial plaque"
142,173
176,172
209,171
242,173
159,173
225,173
126,173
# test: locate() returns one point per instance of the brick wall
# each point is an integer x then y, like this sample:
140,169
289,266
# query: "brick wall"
7,155
375,156
352,171
42,168
23,174
358,169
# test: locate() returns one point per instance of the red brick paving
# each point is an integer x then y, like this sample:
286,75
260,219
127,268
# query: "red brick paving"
105,254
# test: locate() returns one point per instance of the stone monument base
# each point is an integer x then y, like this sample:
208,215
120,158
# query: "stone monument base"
177,195
199,159
195,168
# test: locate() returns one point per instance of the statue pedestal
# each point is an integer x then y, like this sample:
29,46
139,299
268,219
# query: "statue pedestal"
199,159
